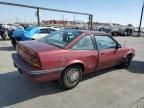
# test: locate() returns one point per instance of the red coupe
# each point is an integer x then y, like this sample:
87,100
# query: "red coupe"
69,54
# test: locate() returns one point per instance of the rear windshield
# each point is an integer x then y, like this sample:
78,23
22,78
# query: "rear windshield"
60,38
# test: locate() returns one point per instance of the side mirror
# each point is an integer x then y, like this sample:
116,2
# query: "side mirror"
118,46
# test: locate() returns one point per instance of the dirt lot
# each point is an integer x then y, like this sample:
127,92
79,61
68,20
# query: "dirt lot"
112,88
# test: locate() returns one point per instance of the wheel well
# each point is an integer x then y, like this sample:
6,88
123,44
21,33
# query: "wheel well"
77,64
130,54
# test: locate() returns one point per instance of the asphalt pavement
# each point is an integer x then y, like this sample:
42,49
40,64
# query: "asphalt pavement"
111,88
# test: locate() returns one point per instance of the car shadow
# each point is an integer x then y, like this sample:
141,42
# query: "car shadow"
15,88
10,48
98,73
136,67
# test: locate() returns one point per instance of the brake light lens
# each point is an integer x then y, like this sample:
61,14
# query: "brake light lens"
36,62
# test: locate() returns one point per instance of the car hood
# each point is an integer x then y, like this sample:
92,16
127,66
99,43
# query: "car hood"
29,33
37,46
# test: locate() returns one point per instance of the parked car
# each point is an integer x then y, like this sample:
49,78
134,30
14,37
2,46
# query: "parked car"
16,35
67,55
107,30
116,32
122,32
43,31
11,30
30,33
3,32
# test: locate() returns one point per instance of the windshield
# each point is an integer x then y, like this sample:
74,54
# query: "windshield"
60,38
31,29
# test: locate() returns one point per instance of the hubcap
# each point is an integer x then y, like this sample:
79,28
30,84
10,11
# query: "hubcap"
73,76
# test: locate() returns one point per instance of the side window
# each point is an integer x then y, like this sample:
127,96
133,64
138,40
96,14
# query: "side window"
105,42
51,30
84,44
43,31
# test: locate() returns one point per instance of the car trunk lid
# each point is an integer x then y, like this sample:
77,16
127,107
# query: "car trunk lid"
29,50
37,46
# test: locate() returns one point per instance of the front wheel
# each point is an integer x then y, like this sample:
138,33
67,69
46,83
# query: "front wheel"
71,77
126,62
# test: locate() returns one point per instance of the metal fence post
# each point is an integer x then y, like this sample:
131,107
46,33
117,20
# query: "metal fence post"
38,17
90,23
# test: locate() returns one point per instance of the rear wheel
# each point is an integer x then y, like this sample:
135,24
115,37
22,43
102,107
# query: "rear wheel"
71,77
126,62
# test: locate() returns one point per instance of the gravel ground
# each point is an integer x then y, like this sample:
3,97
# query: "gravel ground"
111,88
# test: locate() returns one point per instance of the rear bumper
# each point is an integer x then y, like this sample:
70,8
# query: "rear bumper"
35,74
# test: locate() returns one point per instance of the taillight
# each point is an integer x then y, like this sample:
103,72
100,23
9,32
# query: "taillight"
36,62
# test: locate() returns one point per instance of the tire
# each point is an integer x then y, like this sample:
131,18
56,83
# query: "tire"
70,77
3,36
13,43
126,63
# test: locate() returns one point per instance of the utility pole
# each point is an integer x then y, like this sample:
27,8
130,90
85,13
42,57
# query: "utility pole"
139,31
63,21
74,21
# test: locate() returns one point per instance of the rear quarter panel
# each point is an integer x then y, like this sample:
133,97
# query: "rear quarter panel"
64,58
53,59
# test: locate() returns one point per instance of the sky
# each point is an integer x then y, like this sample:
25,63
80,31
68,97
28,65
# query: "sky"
109,11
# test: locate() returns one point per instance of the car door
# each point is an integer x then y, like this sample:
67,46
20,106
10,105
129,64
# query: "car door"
85,52
109,55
